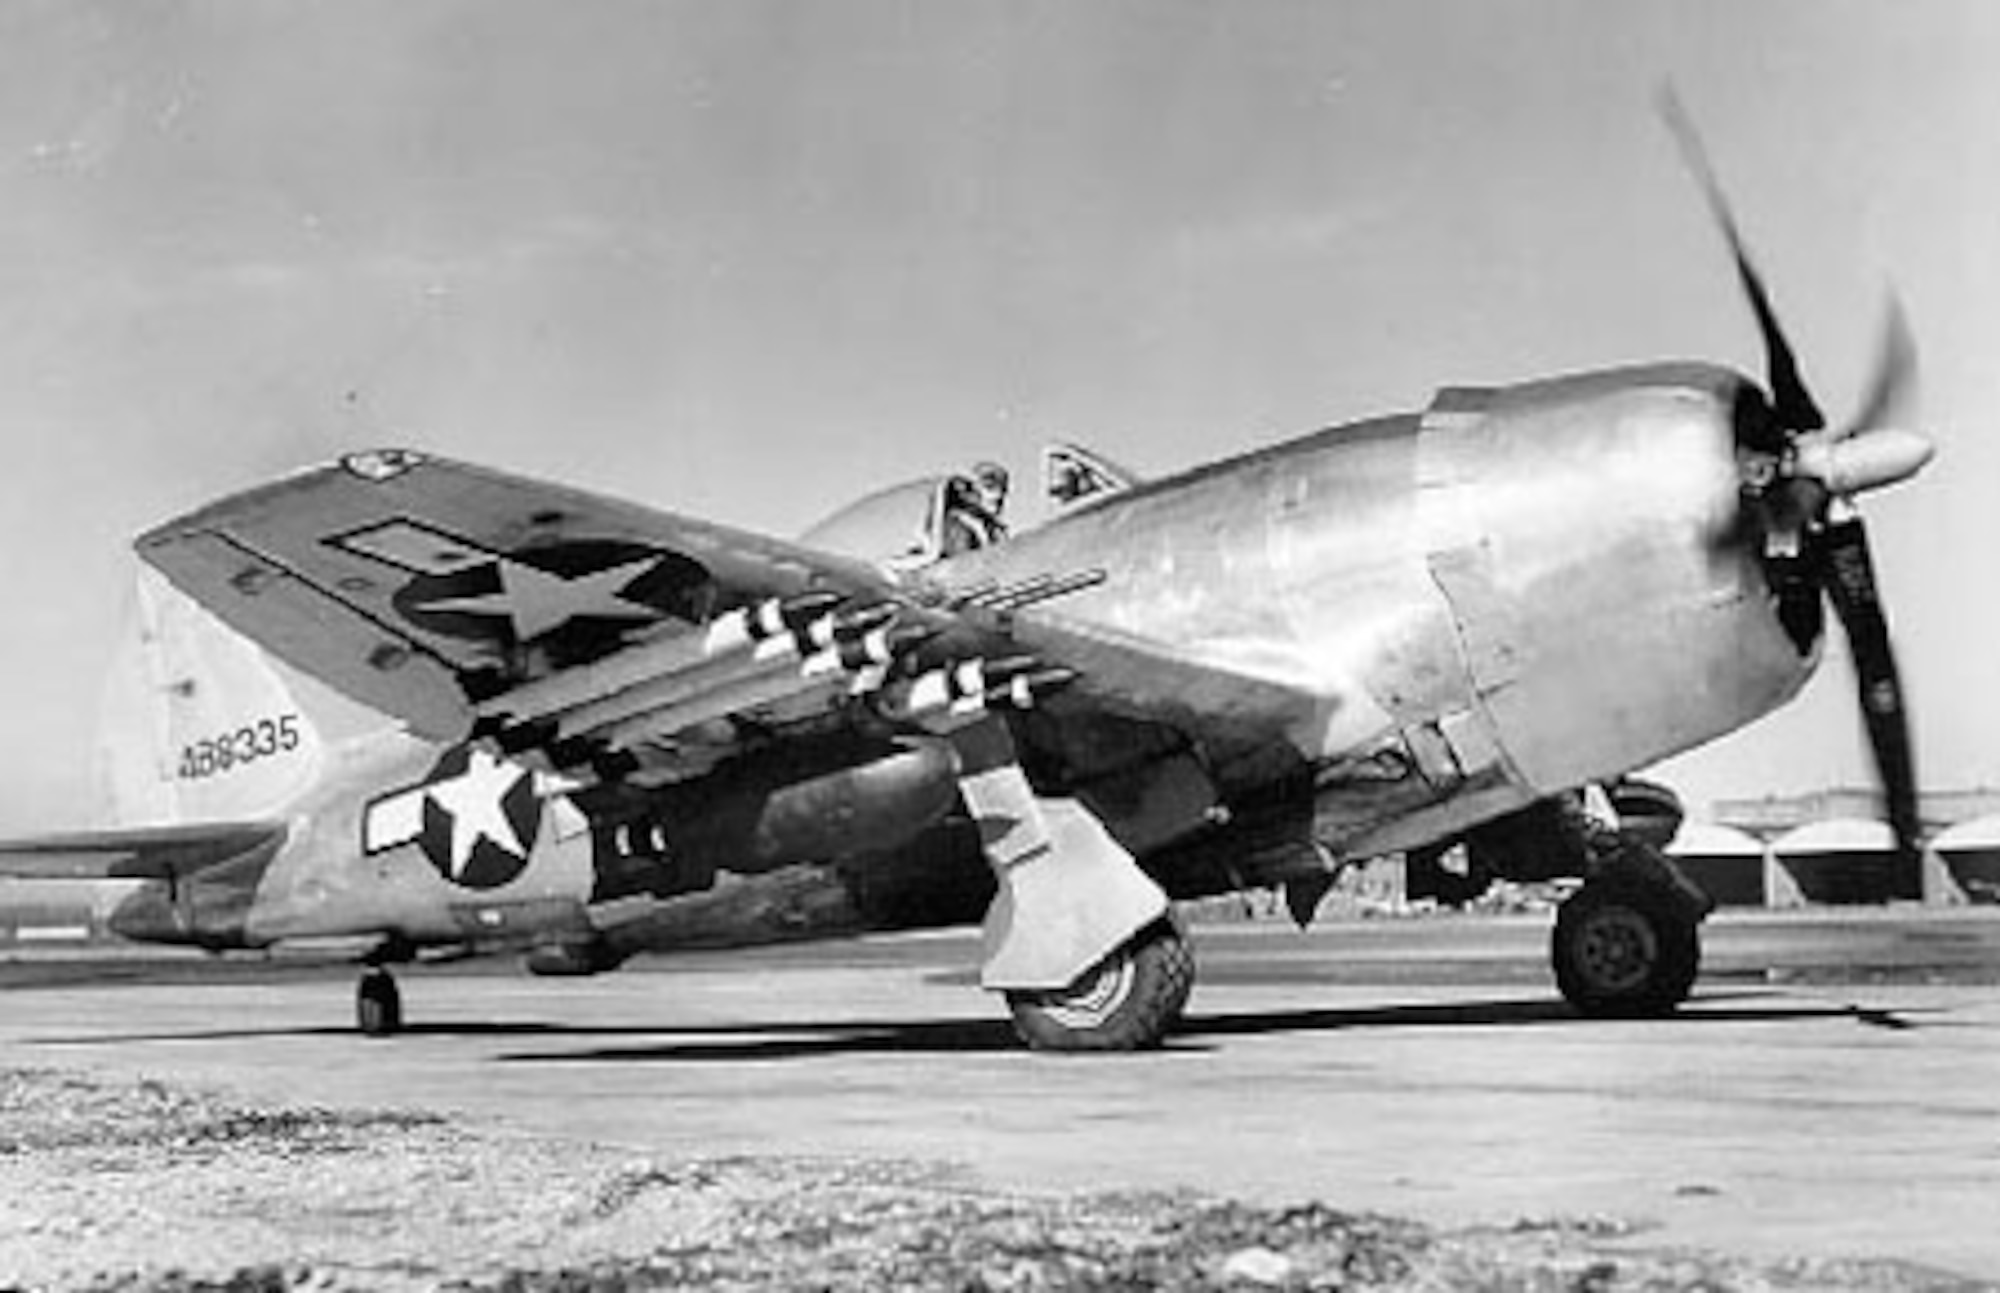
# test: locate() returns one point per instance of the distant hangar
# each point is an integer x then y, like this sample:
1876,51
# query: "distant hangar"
1827,847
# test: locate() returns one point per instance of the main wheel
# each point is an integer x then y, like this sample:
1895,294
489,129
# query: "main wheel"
1625,949
378,1004
1129,1001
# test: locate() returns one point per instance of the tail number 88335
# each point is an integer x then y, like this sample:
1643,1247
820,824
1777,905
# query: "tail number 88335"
264,738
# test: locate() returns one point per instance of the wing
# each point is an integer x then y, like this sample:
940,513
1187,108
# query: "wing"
143,853
422,587
597,633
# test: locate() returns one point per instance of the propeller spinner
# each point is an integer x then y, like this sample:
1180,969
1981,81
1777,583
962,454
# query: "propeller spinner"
1805,476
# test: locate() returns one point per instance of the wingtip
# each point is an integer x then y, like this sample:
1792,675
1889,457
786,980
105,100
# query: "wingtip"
380,465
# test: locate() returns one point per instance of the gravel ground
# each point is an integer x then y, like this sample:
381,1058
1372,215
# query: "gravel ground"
151,1186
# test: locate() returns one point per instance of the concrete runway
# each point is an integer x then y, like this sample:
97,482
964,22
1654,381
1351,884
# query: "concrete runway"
1422,1068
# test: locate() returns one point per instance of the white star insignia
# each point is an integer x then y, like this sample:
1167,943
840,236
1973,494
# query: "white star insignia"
536,602
472,800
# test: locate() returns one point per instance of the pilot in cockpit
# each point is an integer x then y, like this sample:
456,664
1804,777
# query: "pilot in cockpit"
973,508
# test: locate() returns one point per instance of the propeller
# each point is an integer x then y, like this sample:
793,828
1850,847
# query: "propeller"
1804,477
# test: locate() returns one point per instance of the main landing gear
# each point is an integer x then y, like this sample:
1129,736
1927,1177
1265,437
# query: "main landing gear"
1129,1001
1628,945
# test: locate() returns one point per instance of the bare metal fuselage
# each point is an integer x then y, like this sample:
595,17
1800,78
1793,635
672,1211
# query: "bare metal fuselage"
1513,593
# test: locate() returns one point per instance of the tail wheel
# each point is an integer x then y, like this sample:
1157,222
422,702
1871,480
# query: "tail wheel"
378,1005
1129,1001
1624,949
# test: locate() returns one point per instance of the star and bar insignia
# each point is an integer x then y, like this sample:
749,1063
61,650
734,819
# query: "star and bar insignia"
575,597
475,818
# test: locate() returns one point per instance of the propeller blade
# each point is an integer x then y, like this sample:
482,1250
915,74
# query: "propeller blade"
1849,574
1790,400
1892,387
1820,467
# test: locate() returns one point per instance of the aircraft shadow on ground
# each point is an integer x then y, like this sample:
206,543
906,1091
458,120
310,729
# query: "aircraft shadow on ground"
783,1041
807,1039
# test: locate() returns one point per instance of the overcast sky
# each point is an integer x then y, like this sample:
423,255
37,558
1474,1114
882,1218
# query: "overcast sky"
750,260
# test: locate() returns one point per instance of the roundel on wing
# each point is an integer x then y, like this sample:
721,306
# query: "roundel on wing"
481,817
575,599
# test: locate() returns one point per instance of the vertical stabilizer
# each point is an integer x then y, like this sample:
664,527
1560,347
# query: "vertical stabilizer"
198,723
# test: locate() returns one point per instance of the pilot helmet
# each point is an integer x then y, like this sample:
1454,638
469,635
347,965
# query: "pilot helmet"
989,485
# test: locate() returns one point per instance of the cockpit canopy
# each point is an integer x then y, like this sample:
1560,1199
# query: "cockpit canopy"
908,526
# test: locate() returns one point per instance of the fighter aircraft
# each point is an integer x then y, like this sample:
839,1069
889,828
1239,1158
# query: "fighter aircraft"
623,729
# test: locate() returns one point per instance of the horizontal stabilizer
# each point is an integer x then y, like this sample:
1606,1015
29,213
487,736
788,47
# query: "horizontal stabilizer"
145,853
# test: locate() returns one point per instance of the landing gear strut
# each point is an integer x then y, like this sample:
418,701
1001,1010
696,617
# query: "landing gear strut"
1628,945
1129,1001
378,1003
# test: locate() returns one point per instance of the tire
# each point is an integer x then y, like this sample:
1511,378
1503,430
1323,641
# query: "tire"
378,1005
1624,949
1129,1001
